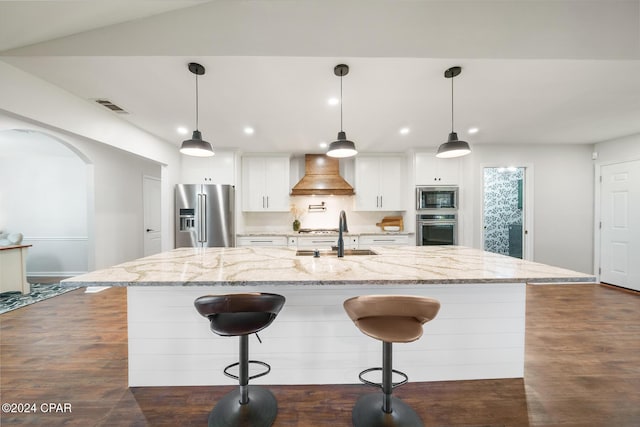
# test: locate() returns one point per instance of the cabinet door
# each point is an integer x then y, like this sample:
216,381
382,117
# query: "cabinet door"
265,184
272,241
430,170
318,242
379,183
366,242
276,178
367,183
218,169
448,171
391,184
253,184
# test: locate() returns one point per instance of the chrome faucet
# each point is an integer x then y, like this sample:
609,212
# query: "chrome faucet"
342,228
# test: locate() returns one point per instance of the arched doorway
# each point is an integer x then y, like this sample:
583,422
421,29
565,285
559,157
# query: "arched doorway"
45,194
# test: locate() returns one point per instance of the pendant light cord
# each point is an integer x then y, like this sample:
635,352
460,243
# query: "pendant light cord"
197,102
452,104
341,130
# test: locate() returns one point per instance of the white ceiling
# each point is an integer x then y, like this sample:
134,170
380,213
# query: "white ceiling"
533,71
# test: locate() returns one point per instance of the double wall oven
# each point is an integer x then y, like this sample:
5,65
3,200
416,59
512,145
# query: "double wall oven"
436,216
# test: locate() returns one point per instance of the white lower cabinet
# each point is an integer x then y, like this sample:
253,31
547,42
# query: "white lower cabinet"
366,241
274,241
326,242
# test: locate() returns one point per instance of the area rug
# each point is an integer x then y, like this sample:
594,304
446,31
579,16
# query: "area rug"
39,292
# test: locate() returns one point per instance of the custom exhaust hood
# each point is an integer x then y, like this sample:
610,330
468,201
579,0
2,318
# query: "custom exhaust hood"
322,178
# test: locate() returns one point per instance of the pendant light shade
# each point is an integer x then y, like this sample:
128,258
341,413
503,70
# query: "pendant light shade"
342,147
196,146
453,147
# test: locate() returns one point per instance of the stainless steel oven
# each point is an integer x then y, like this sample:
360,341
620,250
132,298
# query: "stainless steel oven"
428,198
436,229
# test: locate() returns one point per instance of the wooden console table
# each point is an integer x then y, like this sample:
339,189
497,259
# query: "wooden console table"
13,271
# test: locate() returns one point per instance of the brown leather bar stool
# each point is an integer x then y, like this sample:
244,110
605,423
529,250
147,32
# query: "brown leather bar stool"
242,315
390,319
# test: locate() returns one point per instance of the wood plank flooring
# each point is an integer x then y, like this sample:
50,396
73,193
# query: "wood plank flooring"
582,369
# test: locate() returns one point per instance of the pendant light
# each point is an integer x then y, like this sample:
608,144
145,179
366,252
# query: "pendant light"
196,146
453,147
342,147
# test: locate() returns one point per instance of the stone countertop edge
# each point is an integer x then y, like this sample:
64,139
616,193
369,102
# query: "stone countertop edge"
540,280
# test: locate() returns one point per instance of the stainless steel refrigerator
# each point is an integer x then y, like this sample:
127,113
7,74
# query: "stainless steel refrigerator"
205,215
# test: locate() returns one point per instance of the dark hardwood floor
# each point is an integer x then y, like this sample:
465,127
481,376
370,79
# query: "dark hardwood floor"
582,369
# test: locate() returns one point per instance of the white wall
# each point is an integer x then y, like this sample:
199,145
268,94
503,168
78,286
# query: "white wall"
109,199
43,195
618,150
563,199
118,198
28,102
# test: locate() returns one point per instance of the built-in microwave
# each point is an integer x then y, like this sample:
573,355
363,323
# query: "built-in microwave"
429,198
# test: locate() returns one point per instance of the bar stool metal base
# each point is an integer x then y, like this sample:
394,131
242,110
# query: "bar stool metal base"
368,412
261,411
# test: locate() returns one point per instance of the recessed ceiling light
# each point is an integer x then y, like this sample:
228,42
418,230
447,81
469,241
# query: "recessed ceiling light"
333,101
182,130
404,131
473,130
323,145
249,130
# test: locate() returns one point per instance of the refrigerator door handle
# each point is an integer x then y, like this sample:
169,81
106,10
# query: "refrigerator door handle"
199,216
202,199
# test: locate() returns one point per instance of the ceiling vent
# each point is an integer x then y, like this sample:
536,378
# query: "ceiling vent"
111,106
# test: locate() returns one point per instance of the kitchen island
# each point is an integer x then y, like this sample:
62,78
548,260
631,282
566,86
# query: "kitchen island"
479,332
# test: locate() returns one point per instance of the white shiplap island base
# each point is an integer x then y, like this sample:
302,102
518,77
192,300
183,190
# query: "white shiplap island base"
478,334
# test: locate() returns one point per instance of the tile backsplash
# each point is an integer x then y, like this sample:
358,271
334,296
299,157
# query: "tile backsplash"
357,221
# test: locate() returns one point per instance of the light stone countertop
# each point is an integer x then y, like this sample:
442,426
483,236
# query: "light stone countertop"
280,266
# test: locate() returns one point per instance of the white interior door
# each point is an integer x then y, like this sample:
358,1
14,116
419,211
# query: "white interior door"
620,224
152,223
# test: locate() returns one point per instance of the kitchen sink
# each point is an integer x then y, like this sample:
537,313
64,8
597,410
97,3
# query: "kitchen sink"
347,252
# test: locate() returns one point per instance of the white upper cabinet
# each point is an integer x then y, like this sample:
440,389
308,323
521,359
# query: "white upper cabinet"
218,169
431,170
265,183
380,183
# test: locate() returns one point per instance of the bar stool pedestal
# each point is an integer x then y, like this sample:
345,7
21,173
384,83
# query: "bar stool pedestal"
230,412
241,315
388,318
